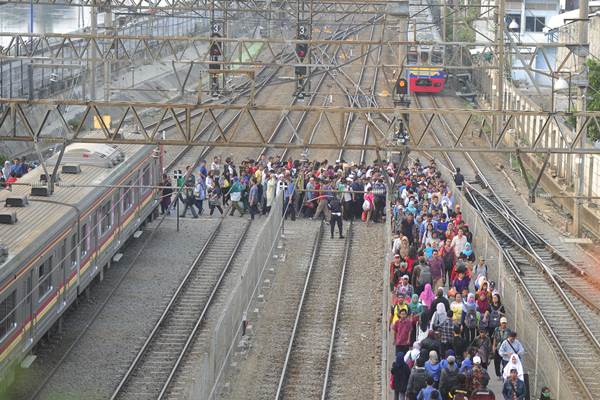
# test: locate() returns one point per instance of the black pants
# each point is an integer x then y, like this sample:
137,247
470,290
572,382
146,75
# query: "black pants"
189,203
254,210
469,334
335,219
498,364
199,204
289,209
348,212
212,208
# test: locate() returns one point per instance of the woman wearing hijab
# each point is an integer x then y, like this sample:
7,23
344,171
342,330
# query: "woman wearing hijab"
416,308
515,362
439,316
400,374
427,296
470,318
433,368
468,252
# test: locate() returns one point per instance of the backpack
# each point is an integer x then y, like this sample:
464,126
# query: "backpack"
471,319
483,394
484,322
460,394
451,377
494,319
425,275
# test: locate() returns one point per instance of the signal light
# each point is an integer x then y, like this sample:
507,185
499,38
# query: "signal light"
401,86
215,49
301,50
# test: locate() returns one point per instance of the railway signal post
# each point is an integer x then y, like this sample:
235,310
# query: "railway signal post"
301,71
216,55
399,12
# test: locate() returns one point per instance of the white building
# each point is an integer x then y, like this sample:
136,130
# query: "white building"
525,22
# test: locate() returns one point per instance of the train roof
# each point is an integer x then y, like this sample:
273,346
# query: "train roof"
44,217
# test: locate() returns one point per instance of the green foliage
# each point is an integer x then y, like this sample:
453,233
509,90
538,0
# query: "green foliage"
593,103
3,157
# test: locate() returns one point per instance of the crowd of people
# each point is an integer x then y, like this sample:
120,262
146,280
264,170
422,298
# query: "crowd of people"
13,170
311,189
447,318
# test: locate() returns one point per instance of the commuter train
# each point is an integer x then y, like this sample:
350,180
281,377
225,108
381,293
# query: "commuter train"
52,246
424,63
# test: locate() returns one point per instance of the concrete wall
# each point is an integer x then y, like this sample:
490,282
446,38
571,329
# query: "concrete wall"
563,168
227,329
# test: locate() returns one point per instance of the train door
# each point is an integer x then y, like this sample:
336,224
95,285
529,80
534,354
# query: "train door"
29,310
94,243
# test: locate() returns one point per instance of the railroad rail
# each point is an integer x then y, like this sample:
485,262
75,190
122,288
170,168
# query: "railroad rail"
558,290
306,369
159,357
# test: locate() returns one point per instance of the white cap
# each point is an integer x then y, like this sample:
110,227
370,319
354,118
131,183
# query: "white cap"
476,360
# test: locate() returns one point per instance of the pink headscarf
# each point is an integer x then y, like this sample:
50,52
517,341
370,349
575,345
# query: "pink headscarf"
427,296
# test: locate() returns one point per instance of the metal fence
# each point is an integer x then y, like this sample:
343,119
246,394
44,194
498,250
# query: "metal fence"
541,360
227,330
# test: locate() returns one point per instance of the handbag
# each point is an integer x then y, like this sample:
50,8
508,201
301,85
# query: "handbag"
235,196
366,205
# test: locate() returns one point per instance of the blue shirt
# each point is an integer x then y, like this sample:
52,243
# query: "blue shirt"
425,393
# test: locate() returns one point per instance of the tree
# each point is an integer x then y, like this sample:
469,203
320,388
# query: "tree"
593,92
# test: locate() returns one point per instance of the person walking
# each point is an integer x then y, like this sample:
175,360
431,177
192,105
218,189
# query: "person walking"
509,347
166,193
417,380
253,198
459,179
189,199
400,374
214,198
500,335
335,209
513,388
235,195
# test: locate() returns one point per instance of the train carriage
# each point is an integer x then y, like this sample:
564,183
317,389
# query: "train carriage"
425,63
59,243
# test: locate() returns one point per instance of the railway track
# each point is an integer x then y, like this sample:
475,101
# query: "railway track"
159,357
305,371
287,117
563,296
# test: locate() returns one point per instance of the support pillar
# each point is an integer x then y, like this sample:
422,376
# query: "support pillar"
581,106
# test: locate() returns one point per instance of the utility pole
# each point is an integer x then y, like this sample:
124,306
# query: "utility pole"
94,33
581,106
499,95
108,26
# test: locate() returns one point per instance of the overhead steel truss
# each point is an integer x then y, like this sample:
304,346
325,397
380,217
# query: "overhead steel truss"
18,122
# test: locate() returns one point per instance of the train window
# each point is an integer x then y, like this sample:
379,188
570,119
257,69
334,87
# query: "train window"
74,250
423,82
45,278
85,240
8,315
412,58
128,197
436,57
105,218
146,179
424,57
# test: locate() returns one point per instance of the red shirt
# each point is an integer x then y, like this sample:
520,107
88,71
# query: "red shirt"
403,328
